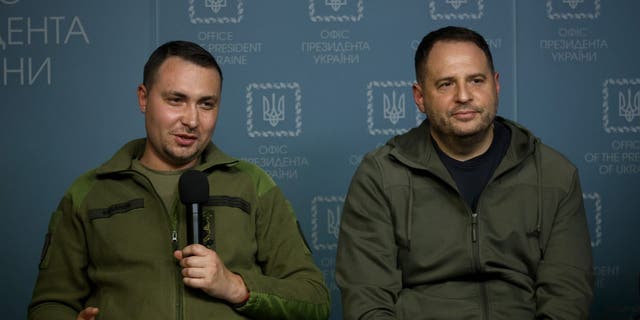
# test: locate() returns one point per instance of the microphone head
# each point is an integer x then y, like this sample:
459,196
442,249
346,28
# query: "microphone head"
193,187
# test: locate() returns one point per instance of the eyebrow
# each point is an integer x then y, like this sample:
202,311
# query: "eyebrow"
183,96
443,79
213,98
471,76
479,74
173,93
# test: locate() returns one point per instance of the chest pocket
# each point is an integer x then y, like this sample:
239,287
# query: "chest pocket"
118,208
209,228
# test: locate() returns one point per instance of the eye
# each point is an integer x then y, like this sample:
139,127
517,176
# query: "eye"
207,105
478,80
445,84
174,100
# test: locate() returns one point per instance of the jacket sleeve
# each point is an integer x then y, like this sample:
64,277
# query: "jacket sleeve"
564,286
62,284
290,286
366,267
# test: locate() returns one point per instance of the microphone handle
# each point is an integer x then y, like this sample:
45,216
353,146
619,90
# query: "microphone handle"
193,224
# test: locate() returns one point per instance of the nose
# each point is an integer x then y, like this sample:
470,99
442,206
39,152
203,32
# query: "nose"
463,94
190,116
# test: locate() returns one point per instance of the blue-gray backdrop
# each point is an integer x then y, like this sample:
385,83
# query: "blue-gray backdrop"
310,86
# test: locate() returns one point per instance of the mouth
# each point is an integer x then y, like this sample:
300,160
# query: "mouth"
465,114
185,139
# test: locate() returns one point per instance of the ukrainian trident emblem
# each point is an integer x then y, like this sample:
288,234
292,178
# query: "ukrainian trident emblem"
215,5
335,4
456,3
333,221
573,3
273,110
629,105
394,110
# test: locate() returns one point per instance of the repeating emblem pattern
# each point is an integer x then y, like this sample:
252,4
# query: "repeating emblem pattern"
215,11
573,9
325,221
281,109
336,10
215,5
621,105
593,204
387,108
335,4
456,9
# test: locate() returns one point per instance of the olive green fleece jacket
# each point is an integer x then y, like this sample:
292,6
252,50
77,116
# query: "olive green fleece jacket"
110,245
411,248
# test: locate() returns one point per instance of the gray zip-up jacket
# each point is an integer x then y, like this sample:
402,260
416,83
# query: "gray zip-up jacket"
411,248
111,242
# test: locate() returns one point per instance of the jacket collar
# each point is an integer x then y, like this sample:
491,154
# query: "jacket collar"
415,148
122,159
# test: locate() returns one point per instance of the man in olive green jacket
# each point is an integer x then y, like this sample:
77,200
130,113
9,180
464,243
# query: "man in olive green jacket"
117,248
467,216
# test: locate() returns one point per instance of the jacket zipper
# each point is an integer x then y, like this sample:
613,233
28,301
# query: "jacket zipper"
474,237
174,244
173,219
179,293
173,226
174,240
474,242
476,263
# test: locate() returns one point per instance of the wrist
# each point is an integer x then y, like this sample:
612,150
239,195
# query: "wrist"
241,293
244,300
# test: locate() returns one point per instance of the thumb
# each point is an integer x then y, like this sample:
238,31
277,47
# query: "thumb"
178,254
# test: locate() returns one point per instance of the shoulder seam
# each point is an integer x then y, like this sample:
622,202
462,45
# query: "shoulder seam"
262,181
80,187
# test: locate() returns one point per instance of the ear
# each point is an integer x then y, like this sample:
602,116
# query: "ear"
496,78
418,97
143,95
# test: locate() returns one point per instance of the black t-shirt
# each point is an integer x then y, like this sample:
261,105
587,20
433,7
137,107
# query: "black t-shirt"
472,176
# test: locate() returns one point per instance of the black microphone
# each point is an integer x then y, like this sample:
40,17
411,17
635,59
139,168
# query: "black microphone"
194,191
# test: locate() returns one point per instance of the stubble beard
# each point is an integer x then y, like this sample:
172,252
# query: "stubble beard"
180,156
453,131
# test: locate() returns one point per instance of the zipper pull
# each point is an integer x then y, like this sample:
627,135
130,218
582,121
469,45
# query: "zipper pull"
474,227
174,240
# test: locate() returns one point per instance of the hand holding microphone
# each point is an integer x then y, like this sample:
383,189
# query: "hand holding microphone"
202,267
193,187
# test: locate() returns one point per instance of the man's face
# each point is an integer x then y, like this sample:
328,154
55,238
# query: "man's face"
181,109
459,92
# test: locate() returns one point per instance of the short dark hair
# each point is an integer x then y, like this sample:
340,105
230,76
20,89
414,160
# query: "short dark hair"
450,33
183,49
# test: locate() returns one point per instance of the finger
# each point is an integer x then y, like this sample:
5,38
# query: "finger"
194,250
196,283
192,262
193,273
88,313
210,270
199,261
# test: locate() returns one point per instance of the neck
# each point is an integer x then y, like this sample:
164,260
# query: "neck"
163,166
154,161
464,148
